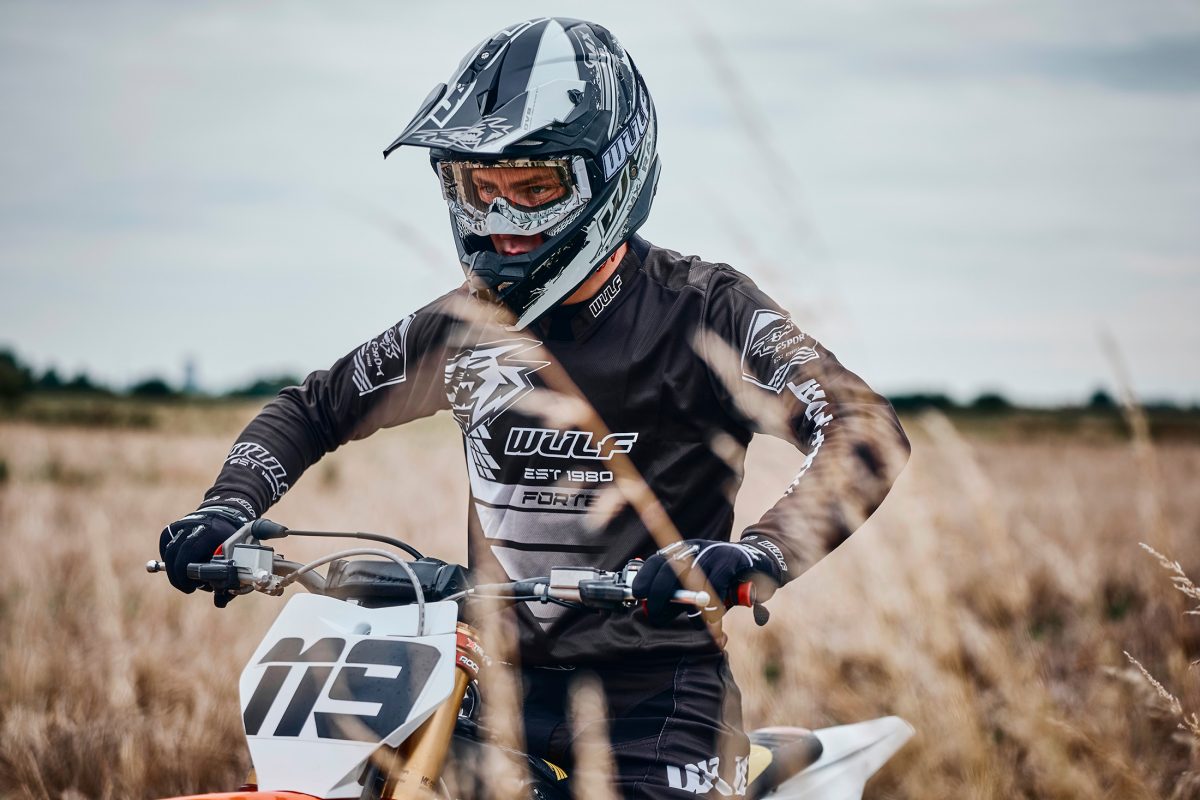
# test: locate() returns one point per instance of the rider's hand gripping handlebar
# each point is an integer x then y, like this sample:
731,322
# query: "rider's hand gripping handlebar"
241,564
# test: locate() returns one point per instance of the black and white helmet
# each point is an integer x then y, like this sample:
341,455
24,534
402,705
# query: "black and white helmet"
554,98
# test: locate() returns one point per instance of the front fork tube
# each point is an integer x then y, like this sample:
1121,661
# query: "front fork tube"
414,768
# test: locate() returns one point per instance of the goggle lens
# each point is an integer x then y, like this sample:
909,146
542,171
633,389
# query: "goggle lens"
519,196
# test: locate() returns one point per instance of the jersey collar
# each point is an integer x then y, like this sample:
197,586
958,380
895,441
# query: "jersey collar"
575,321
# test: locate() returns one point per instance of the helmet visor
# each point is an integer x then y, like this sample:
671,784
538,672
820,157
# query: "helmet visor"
521,197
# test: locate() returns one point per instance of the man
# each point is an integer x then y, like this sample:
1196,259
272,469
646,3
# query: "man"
544,140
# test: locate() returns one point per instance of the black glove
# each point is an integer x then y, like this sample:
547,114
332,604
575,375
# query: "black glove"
724,564
193,540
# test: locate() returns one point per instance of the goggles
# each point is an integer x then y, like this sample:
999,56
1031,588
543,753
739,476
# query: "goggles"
520,197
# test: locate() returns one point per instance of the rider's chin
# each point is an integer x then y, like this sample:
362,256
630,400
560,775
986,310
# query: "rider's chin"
508,245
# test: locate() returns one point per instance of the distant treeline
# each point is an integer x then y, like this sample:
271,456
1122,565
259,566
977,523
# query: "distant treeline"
18,380
995,403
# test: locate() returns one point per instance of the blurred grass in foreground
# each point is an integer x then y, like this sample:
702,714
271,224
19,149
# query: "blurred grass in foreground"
989,602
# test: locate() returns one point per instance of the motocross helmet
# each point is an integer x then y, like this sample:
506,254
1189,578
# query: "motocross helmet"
554,98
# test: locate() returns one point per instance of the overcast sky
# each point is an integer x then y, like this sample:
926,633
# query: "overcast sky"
952,196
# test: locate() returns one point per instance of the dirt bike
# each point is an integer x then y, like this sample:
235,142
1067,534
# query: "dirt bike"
367,686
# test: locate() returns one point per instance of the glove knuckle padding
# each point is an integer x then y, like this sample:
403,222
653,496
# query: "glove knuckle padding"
193,539
662,589
645,576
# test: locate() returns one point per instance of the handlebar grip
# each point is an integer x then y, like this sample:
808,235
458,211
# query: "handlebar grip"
744,594
513,589
217,575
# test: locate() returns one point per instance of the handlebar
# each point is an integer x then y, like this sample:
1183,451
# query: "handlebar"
589,587
242,564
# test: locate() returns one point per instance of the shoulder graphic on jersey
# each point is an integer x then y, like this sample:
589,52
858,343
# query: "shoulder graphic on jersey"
382,361
774,345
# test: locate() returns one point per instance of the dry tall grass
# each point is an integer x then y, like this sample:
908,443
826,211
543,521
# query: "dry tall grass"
989,603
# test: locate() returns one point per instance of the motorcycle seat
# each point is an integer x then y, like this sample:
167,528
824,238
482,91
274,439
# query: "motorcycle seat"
777,754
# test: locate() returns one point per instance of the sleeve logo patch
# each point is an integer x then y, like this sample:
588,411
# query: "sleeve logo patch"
258,459
774,345
382,361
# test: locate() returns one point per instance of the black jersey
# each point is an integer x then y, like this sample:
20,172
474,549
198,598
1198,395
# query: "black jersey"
683,361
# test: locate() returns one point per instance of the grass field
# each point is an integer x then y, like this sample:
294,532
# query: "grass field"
989,603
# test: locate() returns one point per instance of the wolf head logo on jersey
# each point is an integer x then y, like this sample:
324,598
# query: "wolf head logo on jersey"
482,383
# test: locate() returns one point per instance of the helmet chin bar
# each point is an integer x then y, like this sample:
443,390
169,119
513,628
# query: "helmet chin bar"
490,269
507,279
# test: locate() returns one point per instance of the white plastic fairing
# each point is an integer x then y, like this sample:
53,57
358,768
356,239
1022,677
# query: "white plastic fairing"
851,755
330,681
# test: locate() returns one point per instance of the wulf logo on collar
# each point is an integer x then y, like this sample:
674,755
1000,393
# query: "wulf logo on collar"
774,345
606,296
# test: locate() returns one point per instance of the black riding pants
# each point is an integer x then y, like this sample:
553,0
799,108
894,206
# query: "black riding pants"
675,726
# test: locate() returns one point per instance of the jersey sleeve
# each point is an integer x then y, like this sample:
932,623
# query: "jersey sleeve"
390,379
778,380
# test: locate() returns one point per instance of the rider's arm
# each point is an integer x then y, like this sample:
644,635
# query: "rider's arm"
779,380
393,378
